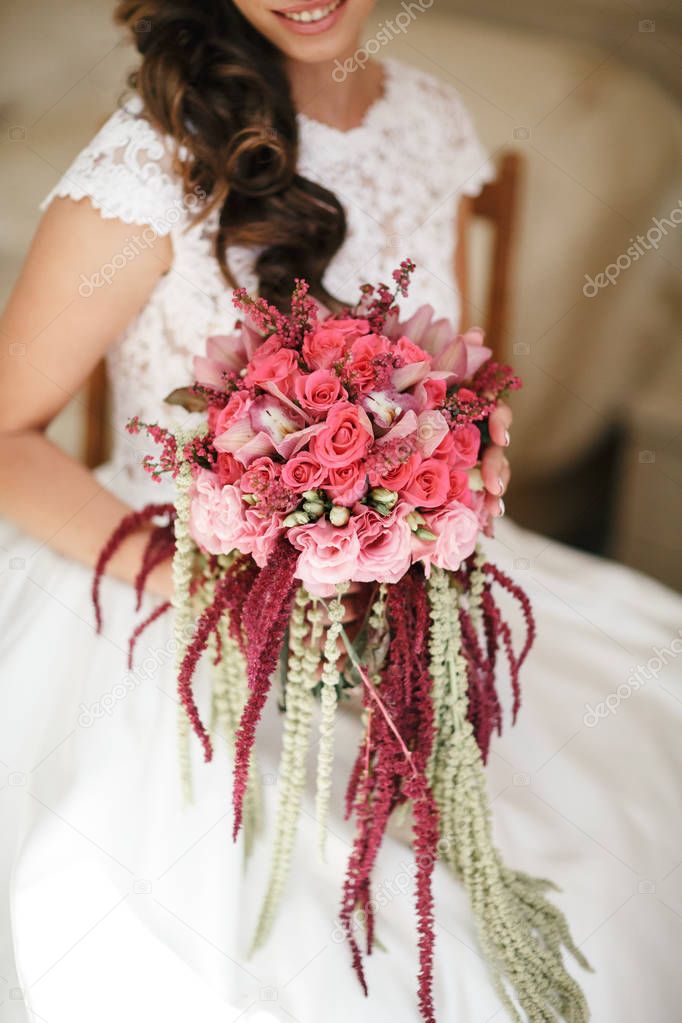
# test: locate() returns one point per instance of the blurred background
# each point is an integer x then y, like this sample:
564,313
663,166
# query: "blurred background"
587,92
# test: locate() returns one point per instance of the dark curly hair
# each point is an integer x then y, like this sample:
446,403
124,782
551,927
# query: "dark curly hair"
218,87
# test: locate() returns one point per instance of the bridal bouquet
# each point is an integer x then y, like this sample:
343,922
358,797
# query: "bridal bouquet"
337,452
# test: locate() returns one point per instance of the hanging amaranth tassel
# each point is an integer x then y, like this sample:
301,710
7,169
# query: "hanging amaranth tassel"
520,932
305,629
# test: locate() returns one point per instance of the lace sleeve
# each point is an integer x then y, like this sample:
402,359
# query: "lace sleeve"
126,172
472,166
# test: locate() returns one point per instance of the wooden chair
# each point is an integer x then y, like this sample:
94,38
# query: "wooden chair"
496,204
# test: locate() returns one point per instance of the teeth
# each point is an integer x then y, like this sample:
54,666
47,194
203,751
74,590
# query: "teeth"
317,14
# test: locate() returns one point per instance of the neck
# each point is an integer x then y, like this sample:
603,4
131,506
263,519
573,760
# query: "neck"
339,103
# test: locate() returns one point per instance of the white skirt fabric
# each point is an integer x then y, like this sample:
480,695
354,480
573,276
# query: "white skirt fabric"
126,904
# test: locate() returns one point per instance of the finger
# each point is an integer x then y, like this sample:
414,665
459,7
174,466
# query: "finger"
494,506
499,425
495,471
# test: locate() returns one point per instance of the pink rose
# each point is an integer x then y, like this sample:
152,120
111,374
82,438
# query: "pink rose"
397,476
466,442
345,438
362,369
303,472
430,393
429,485
318,391
459,487
410,352
229,469
326,345
259,476
272,364
329,555
347,484
236,409
456,529
385,546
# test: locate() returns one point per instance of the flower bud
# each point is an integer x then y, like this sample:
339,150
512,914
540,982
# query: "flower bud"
249,499
339,515
475,479
382,496
311,495
425,534
313,508
414,520
296,518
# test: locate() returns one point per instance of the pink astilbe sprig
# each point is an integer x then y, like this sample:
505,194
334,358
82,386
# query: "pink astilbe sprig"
379,301
495,379
128,525
167,461
265,618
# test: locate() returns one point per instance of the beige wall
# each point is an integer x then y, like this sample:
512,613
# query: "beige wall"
587,97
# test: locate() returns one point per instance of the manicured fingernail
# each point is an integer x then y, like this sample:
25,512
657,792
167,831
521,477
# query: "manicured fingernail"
501,507
500,485
507,438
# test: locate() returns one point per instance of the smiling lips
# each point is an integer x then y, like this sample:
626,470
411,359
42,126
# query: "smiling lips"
309,19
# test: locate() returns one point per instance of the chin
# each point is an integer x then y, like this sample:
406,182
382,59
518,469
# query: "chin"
310,31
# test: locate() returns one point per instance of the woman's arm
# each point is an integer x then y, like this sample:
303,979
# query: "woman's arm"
51,339
495,466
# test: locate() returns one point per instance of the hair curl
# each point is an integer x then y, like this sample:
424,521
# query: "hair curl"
218,87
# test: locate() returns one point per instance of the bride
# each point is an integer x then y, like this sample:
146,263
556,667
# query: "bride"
244,157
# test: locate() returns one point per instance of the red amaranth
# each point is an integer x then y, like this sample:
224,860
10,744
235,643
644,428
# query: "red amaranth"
265,618
128,525
391,767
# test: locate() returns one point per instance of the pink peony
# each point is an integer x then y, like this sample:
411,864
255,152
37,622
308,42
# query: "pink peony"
347,483
456,529
329,555
317,392
345,437
303,472
429,485
385,546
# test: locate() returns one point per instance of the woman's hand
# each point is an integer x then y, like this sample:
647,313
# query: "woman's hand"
495,466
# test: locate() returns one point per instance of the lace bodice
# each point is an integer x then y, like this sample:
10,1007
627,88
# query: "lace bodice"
399,176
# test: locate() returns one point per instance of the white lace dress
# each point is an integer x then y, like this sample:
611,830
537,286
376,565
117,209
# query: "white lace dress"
123,903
